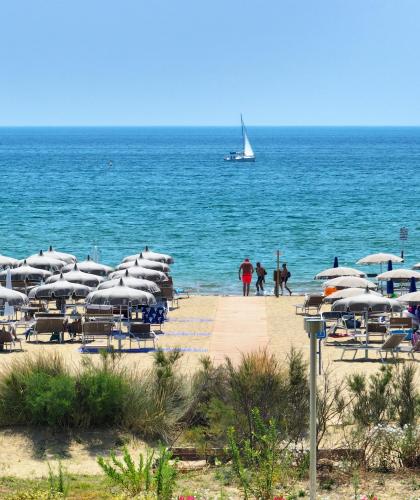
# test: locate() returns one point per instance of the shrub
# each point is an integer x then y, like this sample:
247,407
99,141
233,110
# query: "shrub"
141,478
102,393
37,390
259,463
159,400
258,382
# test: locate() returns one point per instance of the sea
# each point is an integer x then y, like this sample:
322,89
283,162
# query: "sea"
313,193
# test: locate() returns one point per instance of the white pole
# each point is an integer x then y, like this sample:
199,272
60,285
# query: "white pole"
312,416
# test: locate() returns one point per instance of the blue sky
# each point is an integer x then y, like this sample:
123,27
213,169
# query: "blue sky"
196,62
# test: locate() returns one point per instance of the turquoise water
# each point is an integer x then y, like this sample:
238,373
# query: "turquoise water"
313,192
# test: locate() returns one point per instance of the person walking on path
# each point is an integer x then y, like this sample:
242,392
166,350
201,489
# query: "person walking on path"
284,276
246,270
261,272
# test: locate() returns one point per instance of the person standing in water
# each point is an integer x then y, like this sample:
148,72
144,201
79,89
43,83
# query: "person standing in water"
261,272
284,276
246,270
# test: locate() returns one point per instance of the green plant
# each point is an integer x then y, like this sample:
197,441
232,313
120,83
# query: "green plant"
132,478
143,477
58,482
165,475
102,393
159,400
259,463
406,398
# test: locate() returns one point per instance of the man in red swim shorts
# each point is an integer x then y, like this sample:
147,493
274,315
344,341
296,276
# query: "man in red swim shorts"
246,268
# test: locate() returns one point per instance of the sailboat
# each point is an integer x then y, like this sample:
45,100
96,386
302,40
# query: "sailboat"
247,154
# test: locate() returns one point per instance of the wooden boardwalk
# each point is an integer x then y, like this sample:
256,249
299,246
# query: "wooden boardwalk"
240,326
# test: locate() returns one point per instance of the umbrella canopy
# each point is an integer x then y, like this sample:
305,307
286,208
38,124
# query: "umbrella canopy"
12,297
60,288
365,302
334,272
90,266
149,255
68,258
42,261
346,292
137,283
410,298
141,272
121,295
399,275
25,272
77,276
379,258
8,261
349,282
416,266
148,264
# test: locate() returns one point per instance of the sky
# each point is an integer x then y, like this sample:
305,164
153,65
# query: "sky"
202,62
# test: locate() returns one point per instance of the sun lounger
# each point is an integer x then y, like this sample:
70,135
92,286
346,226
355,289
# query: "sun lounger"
410,349
48,326
391,346
93,330
7,339
141,332
312,301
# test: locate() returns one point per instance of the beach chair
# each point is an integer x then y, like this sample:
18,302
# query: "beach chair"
7,339
390,346
312,301
93,330
142,332
168,293
48,326
75,328
410,349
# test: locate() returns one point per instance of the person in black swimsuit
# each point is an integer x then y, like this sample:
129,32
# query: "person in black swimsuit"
261,272
284,276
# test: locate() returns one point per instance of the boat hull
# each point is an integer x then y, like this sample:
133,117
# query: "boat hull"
240,158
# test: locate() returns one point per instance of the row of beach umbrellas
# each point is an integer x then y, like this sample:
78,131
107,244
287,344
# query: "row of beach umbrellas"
135,281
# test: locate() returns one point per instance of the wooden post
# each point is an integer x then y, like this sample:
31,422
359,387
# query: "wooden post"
278,274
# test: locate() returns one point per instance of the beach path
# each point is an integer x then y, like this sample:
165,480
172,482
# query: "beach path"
240,326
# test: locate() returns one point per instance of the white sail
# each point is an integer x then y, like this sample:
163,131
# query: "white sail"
248,151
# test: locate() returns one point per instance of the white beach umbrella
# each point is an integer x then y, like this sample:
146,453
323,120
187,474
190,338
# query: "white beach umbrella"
12,297
148,264
41,261
399,275
416,266
90,266
59,289
379,258
410,298
141,272
8,261
25,272
349,282
68,258
335,272
149,255
343,294
137,283
77,276
366,302
121,295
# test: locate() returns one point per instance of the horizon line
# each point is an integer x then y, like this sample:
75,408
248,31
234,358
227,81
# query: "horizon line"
213,126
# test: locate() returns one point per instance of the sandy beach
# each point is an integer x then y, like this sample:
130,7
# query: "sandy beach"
215,326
